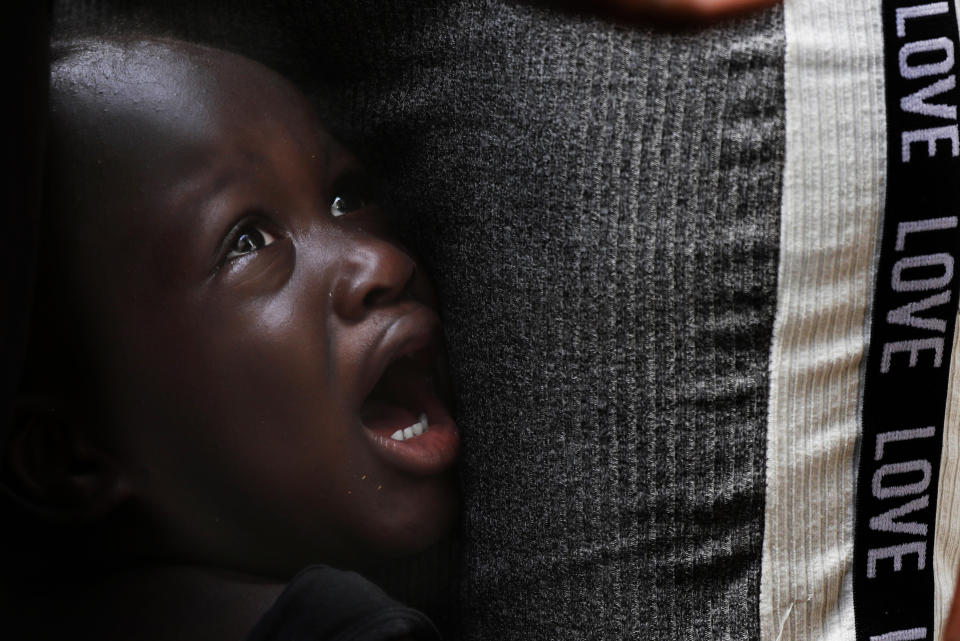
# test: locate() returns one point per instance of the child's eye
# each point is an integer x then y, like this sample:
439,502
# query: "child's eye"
347,202
249,239
351,191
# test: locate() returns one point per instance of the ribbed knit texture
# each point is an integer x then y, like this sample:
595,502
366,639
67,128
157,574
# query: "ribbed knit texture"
834,187
946,546
600,207
603,208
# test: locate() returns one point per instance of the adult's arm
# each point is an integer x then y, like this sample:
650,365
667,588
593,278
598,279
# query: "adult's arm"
952,633
694,10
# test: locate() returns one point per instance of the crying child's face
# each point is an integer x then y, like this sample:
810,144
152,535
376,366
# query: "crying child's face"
271,359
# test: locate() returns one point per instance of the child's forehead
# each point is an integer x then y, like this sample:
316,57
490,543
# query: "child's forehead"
109,85
140,127
119,106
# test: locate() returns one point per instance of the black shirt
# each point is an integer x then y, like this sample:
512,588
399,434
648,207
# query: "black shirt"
325,604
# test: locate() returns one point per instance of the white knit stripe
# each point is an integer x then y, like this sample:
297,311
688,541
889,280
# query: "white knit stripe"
946,546
833,195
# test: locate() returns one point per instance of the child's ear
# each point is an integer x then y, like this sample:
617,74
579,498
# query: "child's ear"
55,470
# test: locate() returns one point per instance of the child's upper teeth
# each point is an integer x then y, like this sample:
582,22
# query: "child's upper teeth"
416,429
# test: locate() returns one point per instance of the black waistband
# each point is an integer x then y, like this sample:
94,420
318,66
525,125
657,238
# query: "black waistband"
911,336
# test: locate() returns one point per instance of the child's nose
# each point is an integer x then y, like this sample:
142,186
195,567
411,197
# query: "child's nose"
373,273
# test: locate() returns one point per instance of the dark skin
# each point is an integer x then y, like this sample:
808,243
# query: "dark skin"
232,602
124,163
672,12
952,631
257,335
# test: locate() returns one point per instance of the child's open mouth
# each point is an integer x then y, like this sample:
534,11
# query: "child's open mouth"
404,414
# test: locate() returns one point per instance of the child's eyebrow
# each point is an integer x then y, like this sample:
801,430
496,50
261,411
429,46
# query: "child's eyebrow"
196,192
200,211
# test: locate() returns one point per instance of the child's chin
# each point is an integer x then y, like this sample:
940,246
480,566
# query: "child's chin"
413,536
405,530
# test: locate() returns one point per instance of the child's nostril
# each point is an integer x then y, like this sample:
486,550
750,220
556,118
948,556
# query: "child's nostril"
378,296
375,296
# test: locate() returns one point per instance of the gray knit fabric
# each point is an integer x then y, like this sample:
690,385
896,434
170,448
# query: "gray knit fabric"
600,206
605,231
